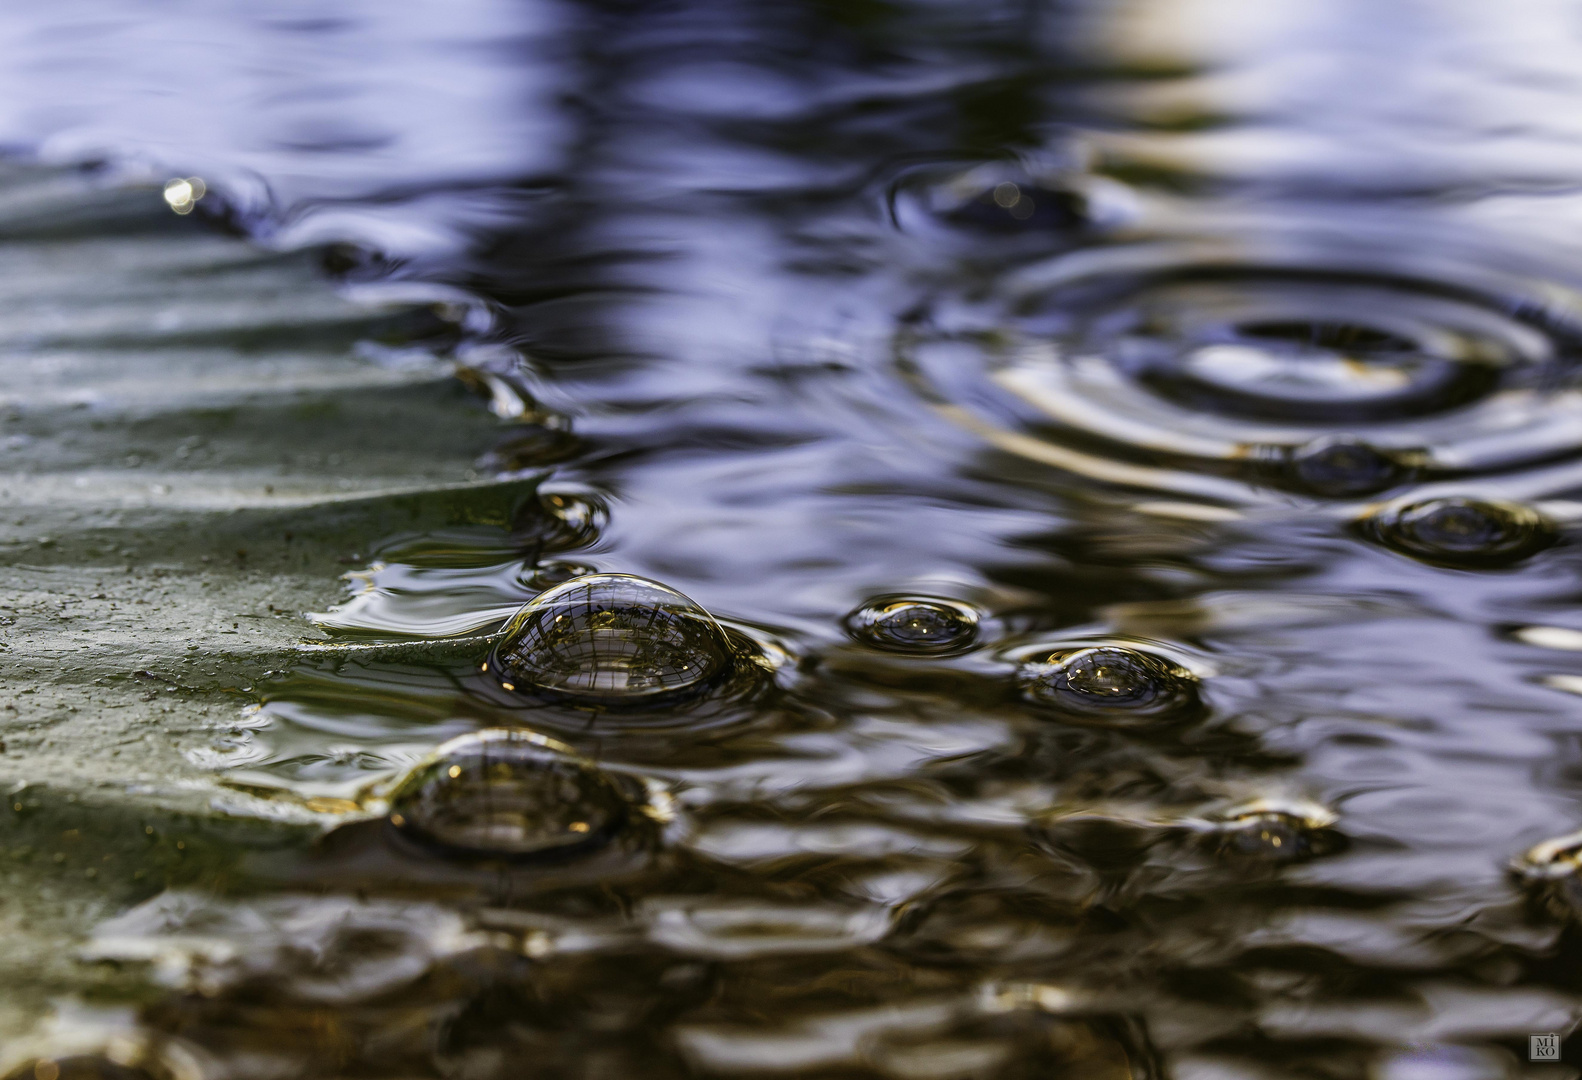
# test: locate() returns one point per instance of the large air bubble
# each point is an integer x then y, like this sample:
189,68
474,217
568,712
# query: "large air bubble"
611,640
509,794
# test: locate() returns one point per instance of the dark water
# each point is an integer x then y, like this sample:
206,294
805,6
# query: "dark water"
1100,481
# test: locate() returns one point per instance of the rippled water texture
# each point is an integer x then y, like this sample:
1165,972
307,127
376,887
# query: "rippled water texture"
887,539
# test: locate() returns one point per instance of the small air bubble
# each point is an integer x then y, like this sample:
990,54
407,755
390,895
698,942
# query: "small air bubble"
1110,682
1343,466
1461,532
914,624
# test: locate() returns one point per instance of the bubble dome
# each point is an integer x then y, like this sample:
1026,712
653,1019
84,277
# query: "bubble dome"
611,639
1460,532
914,624
510,794
1109,681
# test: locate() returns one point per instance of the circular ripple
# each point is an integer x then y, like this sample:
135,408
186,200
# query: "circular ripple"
915,624
1157,366
509,794
1461,532
1110,682
611,640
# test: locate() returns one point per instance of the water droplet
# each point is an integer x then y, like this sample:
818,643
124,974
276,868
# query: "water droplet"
612,640
510,794
1343,466
914,624
1461,532
1110,681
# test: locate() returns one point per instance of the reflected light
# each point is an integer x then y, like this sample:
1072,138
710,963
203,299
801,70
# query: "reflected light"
183,193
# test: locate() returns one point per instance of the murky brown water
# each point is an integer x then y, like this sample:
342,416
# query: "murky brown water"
878,540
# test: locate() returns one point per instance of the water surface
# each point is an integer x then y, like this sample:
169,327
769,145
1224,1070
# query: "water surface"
1109,471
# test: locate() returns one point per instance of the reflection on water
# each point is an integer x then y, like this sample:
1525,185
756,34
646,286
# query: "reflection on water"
891,540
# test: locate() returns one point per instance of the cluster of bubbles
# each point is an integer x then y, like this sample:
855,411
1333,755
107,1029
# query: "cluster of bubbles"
604,643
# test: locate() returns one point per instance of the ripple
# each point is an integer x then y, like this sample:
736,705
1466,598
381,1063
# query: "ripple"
1116,684
76,1067
1460,532
1185,368
511,794
922,625
612,640
737,929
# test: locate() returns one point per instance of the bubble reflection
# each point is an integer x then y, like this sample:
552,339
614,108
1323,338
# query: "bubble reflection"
1461,532
611,640
920,625
509,794
1112,683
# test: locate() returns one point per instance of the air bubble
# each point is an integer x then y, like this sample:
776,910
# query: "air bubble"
509,794
1461,532
612,640
1271,831
1111,682
1550,870
1343,466
914,624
